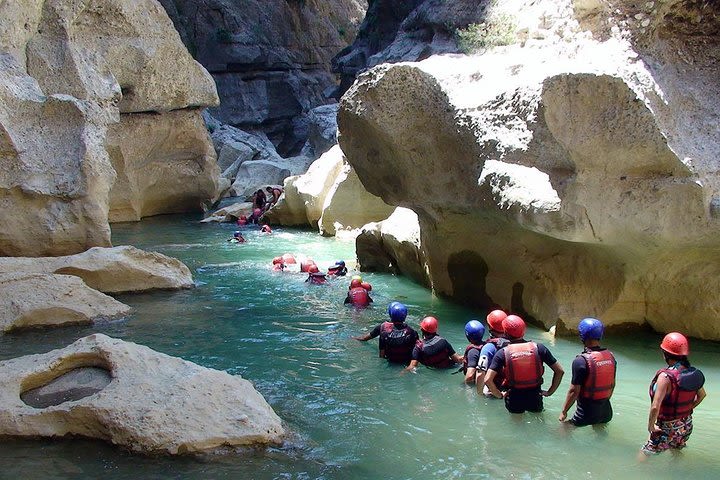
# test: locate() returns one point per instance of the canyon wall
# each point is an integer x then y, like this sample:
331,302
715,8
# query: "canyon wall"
572,173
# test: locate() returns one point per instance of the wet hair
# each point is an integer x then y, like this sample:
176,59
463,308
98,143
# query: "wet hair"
681,359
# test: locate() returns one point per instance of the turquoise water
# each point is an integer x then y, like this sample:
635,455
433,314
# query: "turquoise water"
352,415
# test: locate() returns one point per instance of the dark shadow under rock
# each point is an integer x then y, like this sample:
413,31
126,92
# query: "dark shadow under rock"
73,385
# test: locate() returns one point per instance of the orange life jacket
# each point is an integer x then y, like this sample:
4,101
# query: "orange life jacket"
359,297
523,366
600,380
679,401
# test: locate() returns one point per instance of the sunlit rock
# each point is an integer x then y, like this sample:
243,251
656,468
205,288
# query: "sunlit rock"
30,300
134,397
110,270
558,177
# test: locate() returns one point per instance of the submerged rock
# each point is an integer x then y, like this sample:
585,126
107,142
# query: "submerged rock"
110,270
30,300
559,177
127,394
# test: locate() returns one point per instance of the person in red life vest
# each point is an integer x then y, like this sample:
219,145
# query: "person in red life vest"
492,345
358,295
474,332
278,264
397,338
593,378
255,217
242,221
521,363
675,391
289,259
266,229
338,270
306,264
433,350
315,276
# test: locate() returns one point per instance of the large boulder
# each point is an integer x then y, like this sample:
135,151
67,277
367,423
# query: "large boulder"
258,174
393,245
134,397
559,177
47,300
322,130
304,196
231,213
270,58
348,205
110,270
67,73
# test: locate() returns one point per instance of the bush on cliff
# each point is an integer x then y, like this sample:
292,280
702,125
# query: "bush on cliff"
498,29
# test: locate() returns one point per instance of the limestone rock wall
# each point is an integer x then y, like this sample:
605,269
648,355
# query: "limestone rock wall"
563,176
270,58
69,71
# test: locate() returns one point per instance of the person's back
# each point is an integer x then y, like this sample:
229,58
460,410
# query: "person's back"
521,363
433,350
358,297
397,339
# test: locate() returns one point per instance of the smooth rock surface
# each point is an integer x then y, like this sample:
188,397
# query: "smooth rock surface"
231,213
155,403
30,300
110,270
68,72
559,177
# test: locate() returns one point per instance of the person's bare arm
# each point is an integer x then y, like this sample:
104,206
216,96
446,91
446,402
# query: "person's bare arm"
558,373
570,399
470,375
700,397
662,387
457,358
490,383
412,367
363,338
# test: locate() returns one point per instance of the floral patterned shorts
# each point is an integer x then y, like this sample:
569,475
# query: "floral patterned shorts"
674,434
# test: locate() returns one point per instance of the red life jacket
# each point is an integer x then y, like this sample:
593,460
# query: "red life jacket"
438,359
467,350
523,366
600,381
359,297
679,401
396,344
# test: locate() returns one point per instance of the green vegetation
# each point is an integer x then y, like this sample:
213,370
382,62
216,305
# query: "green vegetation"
341,31
498,29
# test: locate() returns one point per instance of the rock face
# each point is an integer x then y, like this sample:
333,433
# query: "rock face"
270,58
110,270
393,246
134,397
44,300
329,196
560,177
68,73
405,30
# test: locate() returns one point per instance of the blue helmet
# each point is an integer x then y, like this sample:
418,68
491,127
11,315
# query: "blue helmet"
340,263
237,232
590,329
397,312
474,331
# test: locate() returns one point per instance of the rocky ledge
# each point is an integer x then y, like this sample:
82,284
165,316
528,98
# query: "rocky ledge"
134,397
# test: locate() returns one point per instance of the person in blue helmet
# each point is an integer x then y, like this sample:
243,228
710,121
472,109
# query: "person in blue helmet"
474,332
397,338
237,237
593,378
339,269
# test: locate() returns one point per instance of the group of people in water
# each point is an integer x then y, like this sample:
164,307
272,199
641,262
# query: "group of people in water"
507,366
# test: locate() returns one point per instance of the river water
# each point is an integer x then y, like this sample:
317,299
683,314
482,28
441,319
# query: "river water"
353,416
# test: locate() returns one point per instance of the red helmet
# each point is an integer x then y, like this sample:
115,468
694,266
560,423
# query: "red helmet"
289,259
313,268
277,260
514,326
495,320
355,282
676,343
366,286
429,325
